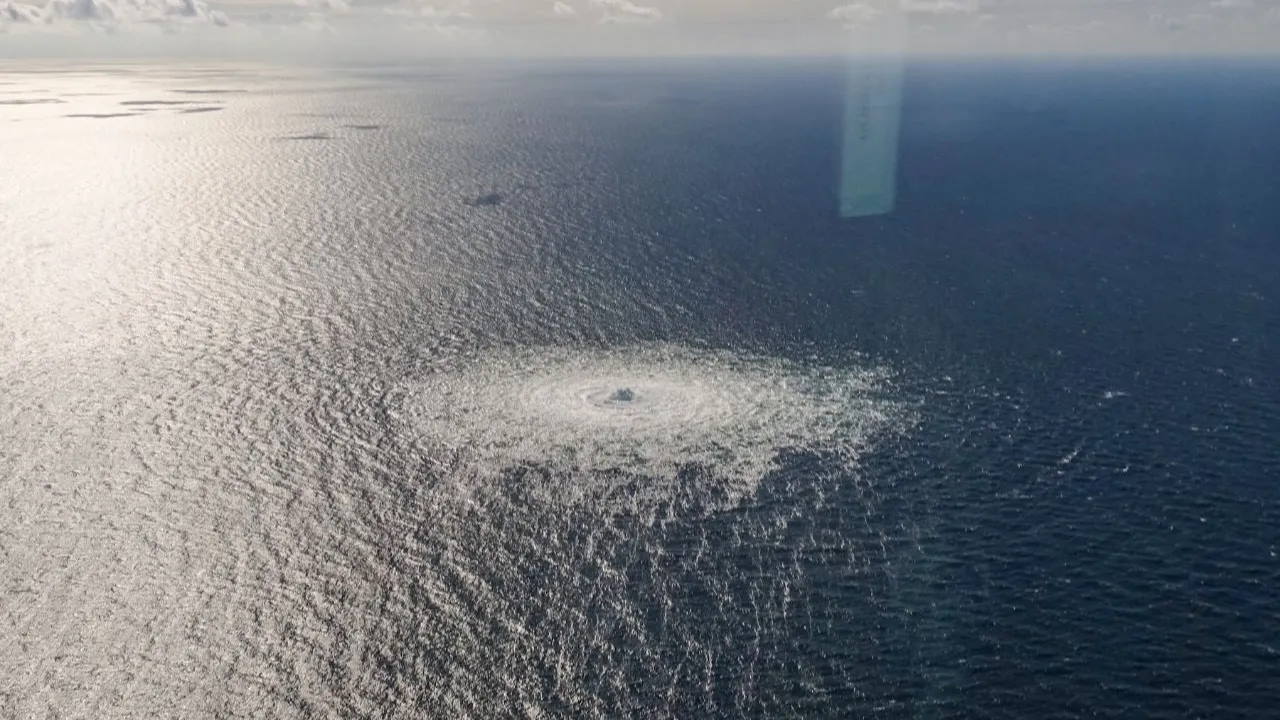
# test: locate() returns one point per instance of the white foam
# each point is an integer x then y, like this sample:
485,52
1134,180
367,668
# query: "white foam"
594,421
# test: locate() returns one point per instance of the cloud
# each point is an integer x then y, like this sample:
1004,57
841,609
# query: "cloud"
1181,21
866,12
336,7
941,7
20,13
625,11
446,13
855,14
583,27
111,14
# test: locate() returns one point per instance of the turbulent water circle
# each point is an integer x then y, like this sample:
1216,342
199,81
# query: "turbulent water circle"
646,418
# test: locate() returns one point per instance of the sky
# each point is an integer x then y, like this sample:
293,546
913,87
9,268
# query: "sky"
388,29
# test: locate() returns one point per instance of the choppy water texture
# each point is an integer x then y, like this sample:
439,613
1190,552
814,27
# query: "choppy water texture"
562,391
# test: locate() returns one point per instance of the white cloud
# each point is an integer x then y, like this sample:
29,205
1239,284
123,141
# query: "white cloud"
625,11
20,13
941,7
855,14
1181,21
325,6
667,26
445,13
112,13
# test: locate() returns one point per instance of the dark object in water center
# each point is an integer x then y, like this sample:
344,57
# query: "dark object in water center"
622,395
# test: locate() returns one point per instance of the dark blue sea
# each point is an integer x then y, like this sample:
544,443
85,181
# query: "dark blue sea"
562,389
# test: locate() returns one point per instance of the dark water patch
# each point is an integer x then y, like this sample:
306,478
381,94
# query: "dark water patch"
144,103
485,200
32,101
193,110
307,136
358,126
210,91
102,116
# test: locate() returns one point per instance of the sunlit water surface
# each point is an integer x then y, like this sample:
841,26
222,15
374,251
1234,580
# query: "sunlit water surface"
562,392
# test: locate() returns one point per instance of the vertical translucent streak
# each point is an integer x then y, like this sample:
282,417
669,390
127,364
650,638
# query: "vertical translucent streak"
872,115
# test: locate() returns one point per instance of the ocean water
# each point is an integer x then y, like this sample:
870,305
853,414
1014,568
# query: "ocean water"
562,390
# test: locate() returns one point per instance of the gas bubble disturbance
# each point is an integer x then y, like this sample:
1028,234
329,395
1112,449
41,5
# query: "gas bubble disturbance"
635,425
